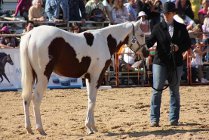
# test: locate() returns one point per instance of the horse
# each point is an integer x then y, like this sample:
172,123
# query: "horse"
4,58
88,54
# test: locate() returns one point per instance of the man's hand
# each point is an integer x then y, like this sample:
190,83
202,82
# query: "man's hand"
174,47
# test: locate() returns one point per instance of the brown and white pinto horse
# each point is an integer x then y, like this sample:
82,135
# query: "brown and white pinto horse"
48,49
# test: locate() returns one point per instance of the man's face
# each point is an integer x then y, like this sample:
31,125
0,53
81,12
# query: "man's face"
168,16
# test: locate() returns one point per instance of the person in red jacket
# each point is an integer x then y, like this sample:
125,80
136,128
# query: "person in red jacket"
22,8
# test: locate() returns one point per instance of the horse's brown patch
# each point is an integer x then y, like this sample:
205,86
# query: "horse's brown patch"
63,60
112,44
89,38
101,76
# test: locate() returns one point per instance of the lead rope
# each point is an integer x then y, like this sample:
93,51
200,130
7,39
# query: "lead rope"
171,70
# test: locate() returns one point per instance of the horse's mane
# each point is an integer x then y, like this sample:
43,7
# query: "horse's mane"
114,29
2,54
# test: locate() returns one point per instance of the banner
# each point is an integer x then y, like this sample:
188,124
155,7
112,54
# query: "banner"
9,69
10,73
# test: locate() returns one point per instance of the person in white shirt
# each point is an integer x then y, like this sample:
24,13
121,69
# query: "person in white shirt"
129,59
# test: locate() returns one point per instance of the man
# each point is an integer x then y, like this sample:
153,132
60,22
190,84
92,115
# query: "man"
172,40
57,10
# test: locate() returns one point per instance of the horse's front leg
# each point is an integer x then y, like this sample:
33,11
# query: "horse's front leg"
6,77
92,93
37,97
1,78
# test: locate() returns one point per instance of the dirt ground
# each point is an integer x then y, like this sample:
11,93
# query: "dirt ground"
120,113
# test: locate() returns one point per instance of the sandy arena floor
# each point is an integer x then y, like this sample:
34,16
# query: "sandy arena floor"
120,113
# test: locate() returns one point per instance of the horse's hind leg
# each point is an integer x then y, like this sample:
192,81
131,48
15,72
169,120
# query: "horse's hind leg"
27,96
92,93
26,105
37,97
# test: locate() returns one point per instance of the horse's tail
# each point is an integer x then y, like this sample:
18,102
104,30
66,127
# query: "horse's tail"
27,78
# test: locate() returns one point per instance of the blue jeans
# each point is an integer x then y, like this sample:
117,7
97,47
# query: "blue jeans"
160,75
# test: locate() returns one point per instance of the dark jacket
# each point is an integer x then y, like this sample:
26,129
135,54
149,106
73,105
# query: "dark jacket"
161,35
75,7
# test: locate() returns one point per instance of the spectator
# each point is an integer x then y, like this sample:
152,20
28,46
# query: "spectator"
22,8
36,11
76,28
57,10
156,8
7,42
28,26
77,10
195,4
108,5
184,8
143,5
172,40
205,28
129,62
128,59
95,10
119,12
203,11
197,63
144,25
132,13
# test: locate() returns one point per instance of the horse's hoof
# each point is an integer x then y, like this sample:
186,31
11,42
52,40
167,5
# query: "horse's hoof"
94,129
29,130
41,131
90,132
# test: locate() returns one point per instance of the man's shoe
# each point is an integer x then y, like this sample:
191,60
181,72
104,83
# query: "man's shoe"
154,124
174,123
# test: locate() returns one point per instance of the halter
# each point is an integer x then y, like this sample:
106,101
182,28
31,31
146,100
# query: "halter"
134,40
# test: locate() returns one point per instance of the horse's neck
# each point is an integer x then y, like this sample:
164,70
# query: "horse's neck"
119,31
3,61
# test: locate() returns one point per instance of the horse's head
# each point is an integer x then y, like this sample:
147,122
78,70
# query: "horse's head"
9,60
137,40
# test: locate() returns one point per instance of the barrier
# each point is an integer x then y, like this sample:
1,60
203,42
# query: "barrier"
13,74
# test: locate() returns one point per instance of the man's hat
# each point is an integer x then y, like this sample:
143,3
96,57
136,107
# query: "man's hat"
169,7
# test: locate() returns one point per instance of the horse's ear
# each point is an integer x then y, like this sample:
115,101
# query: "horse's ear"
138,22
